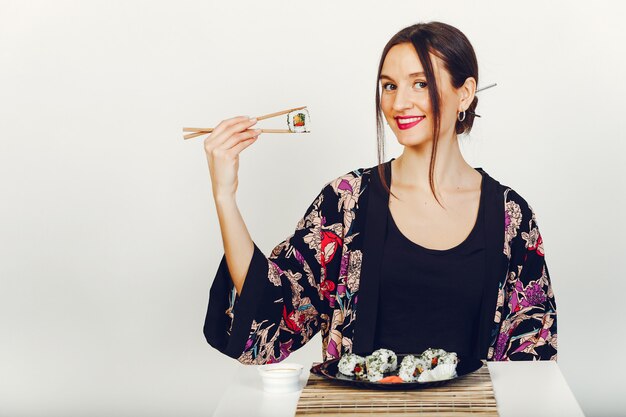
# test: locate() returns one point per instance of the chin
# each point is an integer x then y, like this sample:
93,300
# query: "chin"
412,140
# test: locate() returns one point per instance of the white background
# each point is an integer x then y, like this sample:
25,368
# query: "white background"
109,239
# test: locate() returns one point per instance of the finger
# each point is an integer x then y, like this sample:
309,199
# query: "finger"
239,126
219,140
225,124
243,145
221,133
238,137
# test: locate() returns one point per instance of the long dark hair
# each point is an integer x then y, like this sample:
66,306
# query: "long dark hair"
451,46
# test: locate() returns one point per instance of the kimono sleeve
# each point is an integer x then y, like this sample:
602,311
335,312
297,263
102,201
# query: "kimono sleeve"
285,296
529,327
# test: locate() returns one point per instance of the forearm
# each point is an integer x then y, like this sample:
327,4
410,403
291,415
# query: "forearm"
238,245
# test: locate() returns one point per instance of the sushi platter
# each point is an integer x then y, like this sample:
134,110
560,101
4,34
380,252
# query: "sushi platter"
384,369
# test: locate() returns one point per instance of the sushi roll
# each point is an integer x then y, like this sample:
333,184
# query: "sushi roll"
379,362
448,358
431,356
352,365
374,367
299,121
441,365
388,359
411,367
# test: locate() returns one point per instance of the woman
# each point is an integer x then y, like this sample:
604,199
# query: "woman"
420,251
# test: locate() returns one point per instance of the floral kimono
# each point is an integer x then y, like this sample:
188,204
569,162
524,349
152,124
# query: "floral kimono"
325,276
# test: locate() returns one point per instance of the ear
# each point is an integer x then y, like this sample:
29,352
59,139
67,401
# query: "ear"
467,92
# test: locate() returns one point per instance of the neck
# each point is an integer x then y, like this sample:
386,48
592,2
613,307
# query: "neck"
451,171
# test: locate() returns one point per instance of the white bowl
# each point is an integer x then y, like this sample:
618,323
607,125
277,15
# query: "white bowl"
281,377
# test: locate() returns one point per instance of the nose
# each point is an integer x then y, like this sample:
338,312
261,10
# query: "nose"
401,100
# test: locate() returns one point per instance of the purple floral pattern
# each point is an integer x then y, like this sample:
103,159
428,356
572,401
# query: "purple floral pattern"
526,308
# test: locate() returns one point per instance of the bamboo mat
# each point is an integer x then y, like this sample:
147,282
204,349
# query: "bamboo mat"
471,394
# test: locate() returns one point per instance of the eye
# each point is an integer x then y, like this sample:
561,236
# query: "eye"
385,85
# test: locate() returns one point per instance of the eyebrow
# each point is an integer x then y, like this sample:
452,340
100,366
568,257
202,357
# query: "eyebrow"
413,74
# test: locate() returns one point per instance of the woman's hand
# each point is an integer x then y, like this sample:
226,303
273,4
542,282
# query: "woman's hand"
222,147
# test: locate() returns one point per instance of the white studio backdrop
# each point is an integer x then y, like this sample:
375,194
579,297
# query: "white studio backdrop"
109,238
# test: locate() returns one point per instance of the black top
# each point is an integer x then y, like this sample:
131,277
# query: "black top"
429,297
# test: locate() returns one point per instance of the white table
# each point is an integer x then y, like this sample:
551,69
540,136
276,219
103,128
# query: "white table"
521,388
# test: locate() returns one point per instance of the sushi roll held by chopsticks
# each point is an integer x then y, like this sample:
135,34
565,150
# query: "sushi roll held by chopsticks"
298,121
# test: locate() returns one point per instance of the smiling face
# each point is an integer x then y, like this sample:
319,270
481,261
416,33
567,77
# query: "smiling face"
405,101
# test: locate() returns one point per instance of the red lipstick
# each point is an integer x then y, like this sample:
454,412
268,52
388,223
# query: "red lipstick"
407,122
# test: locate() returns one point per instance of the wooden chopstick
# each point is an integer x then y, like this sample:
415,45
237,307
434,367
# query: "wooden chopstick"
204,132
199,131
267,116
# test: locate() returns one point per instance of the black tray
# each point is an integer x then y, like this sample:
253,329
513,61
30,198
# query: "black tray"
329,370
